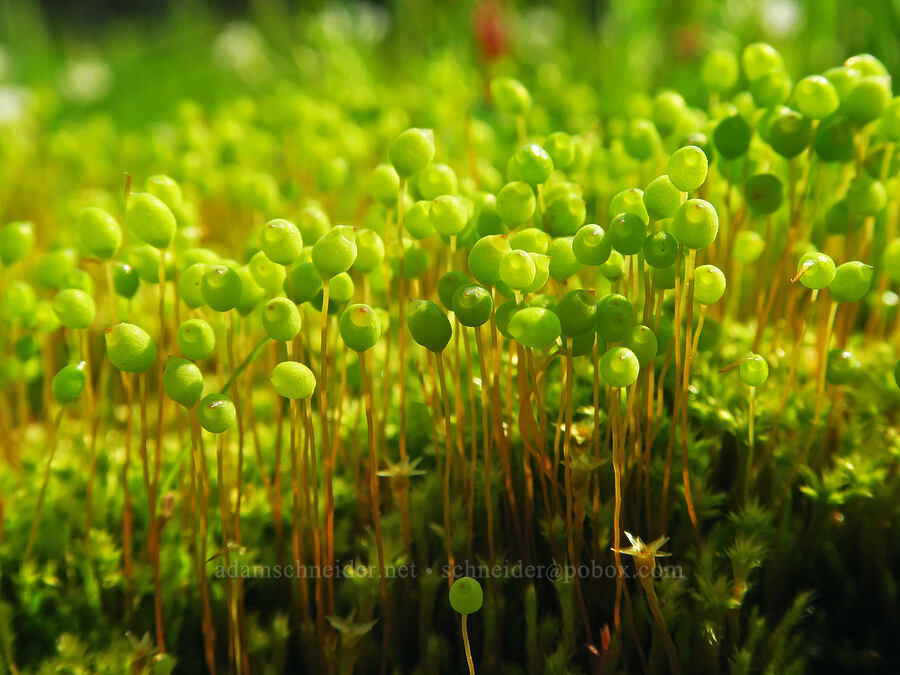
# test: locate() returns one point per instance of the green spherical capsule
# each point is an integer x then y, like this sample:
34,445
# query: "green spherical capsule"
866,64
99,233
517,269
719,71
890,119
564,214
700,140
412,151
303,283
563,263
834,140
415,260
466,596
530,239
221,287
667,110
16,241
472,305
281,319
763,193
436,180
868,98
535,327
418,220
660,249
627,233
510,96
384,184
688,167
130,348
145,261
341,288
841,367
614,268
530,163
190,285
843,78
515,203
696,224
790,133
561,148
544,301
196,339
754,370
216,413
69,382
252,294
838,217
615,317
582,345
760,59
816,270
80,280
428,325
20,301
166,189
182,381
771,89
619,367
447,285
815,97
852,281
577,312
369,251
643,343
198,255
331,174
25,348
150,220
448,215
75,309
488,221
125,280
313,223
53,266
732,137
335,252
641,139
502,316
662,198
748,246
591,246
281,241
866,196
294,380
629,201
541,273
360,327
709,284
485,256
267,274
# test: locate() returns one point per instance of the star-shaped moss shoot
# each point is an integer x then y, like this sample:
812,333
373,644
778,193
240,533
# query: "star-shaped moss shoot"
645,555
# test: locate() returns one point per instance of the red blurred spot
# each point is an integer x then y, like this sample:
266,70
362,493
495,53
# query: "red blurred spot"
490,33
604,637
689,40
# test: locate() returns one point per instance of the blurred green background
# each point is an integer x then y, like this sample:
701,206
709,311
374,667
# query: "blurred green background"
135,61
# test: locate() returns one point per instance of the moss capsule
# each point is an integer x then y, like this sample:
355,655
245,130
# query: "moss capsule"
360,327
